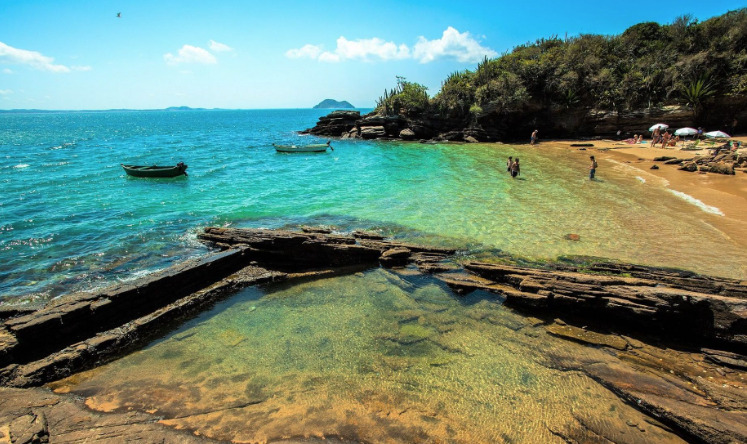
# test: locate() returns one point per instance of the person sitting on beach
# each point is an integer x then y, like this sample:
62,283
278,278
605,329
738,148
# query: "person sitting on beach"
674,141
640,138
515,169
632,140
665,139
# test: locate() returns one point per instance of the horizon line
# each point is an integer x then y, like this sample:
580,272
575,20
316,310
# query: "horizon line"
170,108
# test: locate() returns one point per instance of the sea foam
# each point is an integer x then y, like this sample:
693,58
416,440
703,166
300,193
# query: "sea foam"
696,202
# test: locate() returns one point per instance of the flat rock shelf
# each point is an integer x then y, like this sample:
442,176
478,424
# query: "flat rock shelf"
674,340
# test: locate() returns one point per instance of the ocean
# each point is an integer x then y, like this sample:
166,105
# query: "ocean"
71,220
375,356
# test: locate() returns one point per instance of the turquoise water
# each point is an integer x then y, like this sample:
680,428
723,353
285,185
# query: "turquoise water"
70,219
373,357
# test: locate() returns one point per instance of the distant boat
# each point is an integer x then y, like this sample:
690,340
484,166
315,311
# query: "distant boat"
314,148
155,170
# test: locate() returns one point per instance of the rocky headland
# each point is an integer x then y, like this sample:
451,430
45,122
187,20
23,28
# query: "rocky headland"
559,124
670,343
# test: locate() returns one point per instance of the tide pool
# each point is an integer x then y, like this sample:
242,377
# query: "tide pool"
70,219
371,357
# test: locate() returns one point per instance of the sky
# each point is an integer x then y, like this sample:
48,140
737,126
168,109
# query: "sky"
152,54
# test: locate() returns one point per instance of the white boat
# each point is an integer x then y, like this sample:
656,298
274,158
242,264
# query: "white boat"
314,148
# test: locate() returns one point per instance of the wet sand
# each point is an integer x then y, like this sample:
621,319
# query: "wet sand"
725,192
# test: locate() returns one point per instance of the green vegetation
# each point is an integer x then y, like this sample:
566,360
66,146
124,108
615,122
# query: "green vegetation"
646,67
406,98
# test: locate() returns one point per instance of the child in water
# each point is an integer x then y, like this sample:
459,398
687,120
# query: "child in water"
592,167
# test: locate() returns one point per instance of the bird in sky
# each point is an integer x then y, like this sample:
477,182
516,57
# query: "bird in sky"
119,15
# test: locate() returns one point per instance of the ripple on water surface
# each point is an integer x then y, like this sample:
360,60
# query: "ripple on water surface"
72,182
372,357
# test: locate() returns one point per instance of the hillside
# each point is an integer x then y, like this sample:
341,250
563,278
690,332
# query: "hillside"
687,73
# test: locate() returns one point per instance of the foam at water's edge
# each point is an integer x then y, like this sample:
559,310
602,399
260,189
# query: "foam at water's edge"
697,203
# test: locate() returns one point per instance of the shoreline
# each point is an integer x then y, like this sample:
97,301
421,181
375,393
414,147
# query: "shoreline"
720,195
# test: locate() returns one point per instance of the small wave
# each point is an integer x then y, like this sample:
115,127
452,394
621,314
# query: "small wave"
22,165
641,179
697,203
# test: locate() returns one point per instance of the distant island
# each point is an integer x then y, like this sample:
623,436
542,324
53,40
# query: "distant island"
330,103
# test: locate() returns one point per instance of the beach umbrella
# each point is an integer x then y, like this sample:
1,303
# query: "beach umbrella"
661,126
717,134
686,132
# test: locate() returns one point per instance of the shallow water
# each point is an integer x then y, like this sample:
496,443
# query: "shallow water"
70,219
371,357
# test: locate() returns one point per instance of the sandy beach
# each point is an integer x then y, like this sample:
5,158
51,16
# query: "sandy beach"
726,193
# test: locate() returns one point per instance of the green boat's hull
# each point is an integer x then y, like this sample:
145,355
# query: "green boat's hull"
155,170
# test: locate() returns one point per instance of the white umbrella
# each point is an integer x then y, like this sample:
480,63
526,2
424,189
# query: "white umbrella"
717,134
686,132
661,126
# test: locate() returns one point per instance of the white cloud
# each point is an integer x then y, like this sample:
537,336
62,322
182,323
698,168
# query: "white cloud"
329,57
7,71
5,92
361,49
190,54
309,51
80,68
219,47
366,49
34,59
452,44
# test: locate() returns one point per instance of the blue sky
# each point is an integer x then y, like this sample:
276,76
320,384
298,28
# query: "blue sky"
276,54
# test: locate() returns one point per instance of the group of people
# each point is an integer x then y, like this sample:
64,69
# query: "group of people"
665,139
514,169
637,138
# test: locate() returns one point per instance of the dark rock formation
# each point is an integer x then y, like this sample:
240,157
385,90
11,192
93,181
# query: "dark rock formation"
83,330
601,306
335,124
517,125
717,161
671,304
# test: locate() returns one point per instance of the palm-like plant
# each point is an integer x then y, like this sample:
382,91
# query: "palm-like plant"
697,91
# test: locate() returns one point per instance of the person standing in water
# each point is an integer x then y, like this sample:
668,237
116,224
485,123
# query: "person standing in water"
534,137
592,168
515,169
509,163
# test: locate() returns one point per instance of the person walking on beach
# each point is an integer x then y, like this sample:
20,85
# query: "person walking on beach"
592,168
515,169
655,137
534,137
509,163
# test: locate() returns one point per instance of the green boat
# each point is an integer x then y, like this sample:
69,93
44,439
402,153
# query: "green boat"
155,170
314,148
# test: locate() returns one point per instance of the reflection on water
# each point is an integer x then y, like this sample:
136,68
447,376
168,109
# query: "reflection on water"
373,357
